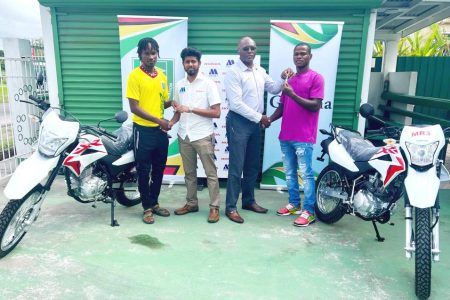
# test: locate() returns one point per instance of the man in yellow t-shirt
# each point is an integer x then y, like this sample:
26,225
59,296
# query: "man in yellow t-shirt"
147,93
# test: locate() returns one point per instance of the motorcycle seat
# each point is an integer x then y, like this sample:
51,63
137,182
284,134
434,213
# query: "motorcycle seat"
122,144
358,148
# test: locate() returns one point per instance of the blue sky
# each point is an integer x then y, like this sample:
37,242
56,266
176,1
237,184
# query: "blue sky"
19,19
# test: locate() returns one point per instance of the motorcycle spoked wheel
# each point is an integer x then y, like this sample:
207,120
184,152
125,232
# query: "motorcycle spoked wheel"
329,209
17,217
127,198
423,253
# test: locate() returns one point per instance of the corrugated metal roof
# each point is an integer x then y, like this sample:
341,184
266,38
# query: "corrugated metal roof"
237,5
407,16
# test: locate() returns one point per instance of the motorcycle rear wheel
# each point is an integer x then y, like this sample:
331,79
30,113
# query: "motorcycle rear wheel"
329,209
423,253
17,217
127,198
124,199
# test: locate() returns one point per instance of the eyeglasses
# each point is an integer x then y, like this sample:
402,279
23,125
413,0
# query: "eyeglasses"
249,48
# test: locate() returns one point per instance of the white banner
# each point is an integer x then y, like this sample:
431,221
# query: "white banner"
324,39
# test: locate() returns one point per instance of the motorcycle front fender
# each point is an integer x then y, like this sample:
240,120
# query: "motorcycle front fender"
422,187
28,174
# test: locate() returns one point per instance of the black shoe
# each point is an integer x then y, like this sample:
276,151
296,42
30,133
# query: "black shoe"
256,208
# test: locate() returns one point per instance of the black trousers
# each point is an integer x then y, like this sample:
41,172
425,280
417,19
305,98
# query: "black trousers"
150,153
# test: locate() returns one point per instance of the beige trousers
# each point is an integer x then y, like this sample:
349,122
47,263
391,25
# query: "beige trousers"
205,150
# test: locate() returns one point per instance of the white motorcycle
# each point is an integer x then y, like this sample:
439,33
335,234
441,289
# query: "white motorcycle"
367,181
99,166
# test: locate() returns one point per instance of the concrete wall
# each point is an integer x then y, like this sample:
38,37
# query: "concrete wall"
399,82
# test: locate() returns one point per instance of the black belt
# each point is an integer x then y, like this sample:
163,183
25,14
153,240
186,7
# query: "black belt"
147,127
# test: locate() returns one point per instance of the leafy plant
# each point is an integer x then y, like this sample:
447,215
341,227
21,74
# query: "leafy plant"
378,49
418,44
3,93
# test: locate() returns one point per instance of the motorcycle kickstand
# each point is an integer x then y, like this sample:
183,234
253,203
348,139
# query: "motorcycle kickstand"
379,238
113,220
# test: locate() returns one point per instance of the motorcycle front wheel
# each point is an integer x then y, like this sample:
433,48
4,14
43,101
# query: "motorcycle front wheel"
17,217
330,190
423,253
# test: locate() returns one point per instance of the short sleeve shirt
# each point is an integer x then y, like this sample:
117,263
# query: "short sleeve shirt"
200,93
150,91
299,124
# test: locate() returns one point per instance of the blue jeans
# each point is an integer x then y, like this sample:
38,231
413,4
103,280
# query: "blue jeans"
244,143
296,156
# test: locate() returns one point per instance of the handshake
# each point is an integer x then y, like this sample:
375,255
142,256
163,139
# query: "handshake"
265,122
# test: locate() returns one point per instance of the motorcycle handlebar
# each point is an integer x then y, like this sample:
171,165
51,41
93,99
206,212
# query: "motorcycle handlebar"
27,102
40,103
390,132
377,120
35,99
375,131
100,131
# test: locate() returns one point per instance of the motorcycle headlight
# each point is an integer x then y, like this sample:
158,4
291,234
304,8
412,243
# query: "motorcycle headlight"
422,155
49,143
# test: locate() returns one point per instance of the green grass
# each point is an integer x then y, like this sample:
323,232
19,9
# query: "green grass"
7,138
3,93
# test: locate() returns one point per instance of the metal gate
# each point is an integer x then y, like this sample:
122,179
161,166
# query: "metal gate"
20,78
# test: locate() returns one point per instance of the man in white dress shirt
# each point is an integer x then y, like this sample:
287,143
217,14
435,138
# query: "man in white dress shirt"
196,103
245,84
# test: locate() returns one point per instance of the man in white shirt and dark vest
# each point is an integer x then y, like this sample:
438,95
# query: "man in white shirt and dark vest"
196,103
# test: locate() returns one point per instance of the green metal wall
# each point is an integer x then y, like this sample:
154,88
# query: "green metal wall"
433,76
89,63
433,80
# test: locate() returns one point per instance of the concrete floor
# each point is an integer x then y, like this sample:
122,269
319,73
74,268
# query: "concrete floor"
71,252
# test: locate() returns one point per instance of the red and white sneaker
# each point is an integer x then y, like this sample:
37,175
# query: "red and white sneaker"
305,219
289,210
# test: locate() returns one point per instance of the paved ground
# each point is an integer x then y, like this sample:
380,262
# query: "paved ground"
72,253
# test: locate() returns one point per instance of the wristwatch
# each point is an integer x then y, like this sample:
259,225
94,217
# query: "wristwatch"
190,108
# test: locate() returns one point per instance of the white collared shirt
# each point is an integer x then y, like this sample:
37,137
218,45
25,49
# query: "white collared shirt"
245,90
201,93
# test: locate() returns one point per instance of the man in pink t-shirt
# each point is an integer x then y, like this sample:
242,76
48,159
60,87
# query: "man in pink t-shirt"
299,108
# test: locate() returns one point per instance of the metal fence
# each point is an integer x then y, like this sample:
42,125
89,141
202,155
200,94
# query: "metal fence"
19,78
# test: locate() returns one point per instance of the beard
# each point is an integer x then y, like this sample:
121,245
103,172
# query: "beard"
192,72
